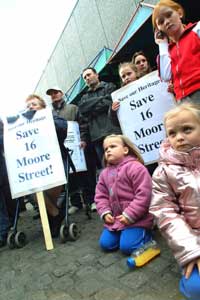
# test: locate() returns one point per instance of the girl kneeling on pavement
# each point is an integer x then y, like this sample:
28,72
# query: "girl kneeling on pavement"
123,195
175,197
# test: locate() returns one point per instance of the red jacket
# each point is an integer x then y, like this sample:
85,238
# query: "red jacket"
185,63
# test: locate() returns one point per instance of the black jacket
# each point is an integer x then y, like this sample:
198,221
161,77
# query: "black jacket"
94,107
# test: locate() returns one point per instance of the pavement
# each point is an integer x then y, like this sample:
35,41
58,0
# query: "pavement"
80,269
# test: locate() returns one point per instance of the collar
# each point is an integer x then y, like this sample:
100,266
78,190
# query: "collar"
59,104
99,86
187,28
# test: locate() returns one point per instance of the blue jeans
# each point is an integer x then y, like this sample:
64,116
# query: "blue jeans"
190,287
127,240
4,221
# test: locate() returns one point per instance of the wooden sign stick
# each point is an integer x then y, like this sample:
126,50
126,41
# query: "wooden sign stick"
45,221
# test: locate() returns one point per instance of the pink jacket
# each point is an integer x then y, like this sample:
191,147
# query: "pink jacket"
176,201
125,189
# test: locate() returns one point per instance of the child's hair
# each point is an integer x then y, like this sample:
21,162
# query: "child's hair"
127,64
41,101
168,3
133,150
186,106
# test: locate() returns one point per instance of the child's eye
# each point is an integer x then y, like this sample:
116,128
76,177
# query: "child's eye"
171,133
168,15
187,129
160,21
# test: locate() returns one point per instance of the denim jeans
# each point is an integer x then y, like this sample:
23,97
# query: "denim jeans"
4,221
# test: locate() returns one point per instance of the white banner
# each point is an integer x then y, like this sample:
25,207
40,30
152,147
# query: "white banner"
32,153
143,104
72,142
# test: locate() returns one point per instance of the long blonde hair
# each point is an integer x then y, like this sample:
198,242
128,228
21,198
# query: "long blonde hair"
132,149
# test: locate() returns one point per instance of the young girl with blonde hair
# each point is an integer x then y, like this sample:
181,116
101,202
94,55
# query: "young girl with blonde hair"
175,198
123,195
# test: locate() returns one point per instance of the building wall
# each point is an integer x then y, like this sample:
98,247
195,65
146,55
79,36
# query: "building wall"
93,24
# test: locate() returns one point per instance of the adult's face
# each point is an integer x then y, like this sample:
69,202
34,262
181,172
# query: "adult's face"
56,96
141,64
91,78
34,104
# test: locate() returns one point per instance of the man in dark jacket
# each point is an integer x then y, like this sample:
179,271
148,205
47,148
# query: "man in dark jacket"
94,106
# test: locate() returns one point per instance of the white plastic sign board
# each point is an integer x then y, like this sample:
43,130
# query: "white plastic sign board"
32,153
143,104
72,142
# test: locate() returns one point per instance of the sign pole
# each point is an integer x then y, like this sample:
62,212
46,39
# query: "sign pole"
44,220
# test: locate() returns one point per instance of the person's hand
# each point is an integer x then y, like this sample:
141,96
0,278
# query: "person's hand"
115,105
83,144
108,219
160,37
170,87
189,267
123,220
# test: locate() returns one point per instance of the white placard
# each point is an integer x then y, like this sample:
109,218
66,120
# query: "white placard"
32,153
143,104
72,142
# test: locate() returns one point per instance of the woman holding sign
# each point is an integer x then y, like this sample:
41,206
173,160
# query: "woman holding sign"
55,215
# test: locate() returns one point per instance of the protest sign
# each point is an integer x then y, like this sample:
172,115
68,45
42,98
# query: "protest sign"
142,107
32,153
72,142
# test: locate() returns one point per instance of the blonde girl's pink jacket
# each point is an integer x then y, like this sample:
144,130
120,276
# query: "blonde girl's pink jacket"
176,201
125,189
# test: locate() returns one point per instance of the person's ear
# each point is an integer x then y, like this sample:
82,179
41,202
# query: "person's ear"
180,13
126,150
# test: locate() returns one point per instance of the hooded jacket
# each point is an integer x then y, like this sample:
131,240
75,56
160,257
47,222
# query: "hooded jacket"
125,189
176,201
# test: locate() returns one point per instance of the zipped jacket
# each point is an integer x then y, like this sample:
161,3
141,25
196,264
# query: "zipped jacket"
94,107
180,61
125,189
176,201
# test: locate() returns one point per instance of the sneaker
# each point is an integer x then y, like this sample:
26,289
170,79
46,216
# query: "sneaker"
72,210
93,207
29,206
